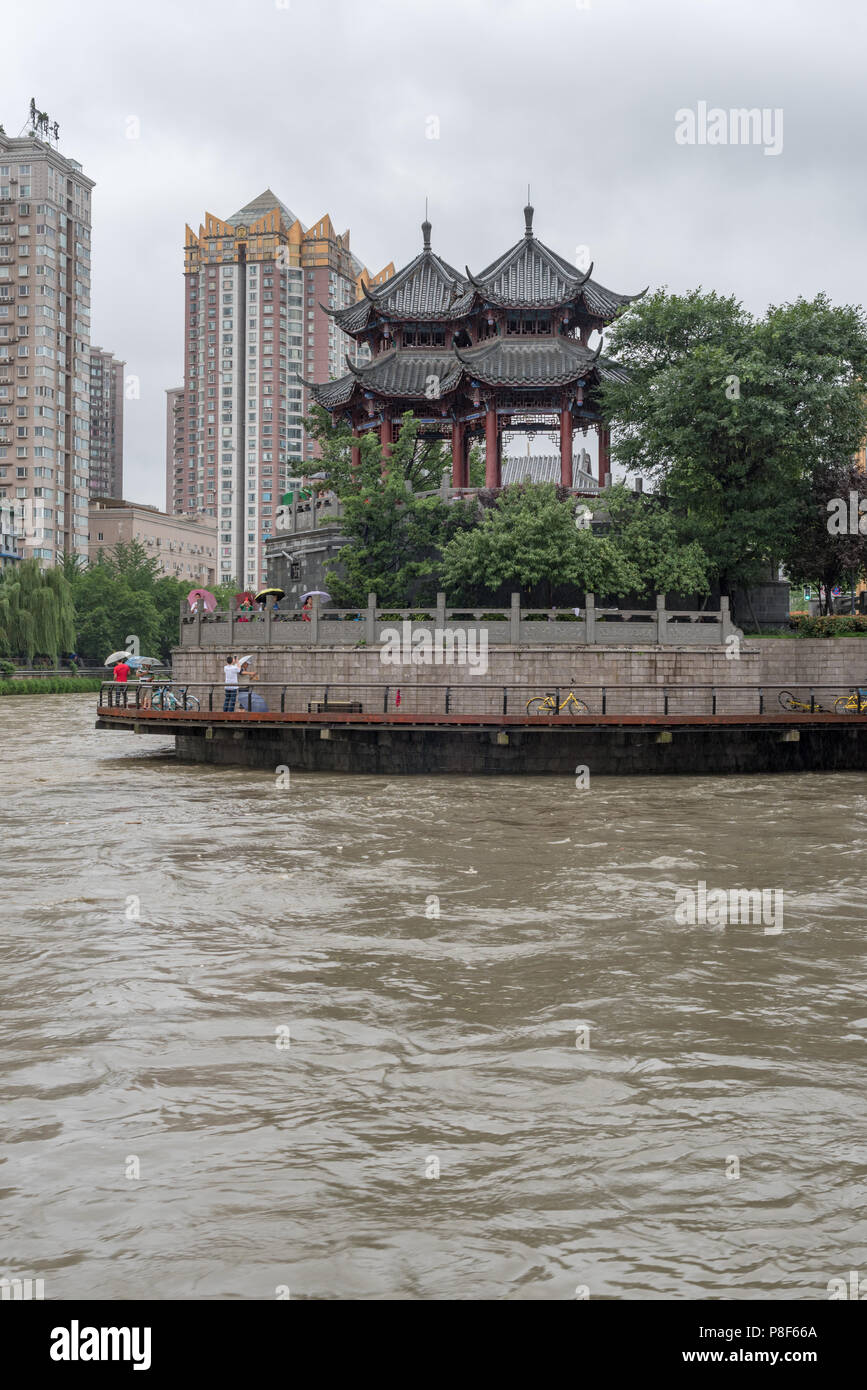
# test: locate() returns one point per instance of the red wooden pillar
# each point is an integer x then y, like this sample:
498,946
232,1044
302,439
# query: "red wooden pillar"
492,448
355,453
566,447
604,452
458,454
386,439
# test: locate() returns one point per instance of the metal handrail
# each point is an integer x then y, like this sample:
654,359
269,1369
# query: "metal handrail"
452,698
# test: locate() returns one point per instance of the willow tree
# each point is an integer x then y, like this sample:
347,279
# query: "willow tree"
36,612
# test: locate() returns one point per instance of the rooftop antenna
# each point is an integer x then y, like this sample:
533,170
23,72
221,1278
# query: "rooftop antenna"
425,228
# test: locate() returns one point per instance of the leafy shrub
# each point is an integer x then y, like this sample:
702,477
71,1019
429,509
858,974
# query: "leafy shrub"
50,685
829,625
7,667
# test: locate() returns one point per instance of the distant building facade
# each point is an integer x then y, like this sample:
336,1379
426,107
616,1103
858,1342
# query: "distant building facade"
258,290
45,345
185,546
10,553
174,441
106,424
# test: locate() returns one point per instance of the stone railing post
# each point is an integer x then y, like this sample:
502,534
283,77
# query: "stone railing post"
515,621
590,616
441,611
314,633
370,620
232,629
726,626
200,613
661,620
269,614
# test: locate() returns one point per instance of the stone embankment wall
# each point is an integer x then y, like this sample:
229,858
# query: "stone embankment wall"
714,750
770,663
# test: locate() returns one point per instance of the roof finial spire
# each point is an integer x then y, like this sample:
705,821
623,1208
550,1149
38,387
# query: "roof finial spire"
528,216
426,229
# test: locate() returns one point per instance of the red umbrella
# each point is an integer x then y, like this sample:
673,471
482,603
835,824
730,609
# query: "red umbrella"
245,597
203,596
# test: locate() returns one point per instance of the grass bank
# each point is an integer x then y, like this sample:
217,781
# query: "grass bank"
51,685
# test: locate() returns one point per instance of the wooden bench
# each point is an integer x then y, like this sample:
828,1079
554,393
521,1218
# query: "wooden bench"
335,707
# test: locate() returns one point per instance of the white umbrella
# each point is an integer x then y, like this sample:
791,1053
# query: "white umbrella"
115,658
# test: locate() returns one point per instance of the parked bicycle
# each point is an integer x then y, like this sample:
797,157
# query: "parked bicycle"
164,698
547,704
796,704
853,703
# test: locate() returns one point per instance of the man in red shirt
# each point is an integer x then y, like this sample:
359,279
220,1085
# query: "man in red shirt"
121,675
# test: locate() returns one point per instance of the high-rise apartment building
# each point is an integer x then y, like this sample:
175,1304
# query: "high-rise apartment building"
258,290
106,424
10,554
175,450
45,345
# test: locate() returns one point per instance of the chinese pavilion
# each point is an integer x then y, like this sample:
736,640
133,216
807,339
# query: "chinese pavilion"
474,356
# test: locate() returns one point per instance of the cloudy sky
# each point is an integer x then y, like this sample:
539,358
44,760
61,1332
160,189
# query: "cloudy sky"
333,103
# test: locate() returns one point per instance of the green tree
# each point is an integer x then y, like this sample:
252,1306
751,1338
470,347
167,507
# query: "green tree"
395,537
36,612
728,415
108,609
529,541
123,591
424,461
825,547
647,536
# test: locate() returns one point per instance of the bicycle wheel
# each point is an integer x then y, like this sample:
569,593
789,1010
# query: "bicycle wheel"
540,704
788,701
193,702
845,704
576,706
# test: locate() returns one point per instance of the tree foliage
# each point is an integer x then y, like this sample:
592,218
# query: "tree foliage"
124,592
36,612
828,545
424,461
646,534
728,415
529,541
395,537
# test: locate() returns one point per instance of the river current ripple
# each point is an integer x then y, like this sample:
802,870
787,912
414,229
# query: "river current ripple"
242,993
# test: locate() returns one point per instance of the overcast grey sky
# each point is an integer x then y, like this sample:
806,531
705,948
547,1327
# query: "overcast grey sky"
329,102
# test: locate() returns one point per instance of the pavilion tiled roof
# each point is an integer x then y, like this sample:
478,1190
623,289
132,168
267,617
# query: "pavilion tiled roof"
516,362
545,468
553,361
396,373
426,289
531,275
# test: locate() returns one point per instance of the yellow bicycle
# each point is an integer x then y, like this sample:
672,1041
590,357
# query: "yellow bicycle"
547,704
797,704
853,703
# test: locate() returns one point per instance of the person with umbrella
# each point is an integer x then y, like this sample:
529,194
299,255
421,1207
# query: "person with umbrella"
231,671
264,594
121,675
201,599
307,602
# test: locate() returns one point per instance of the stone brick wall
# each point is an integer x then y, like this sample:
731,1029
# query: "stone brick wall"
769,663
